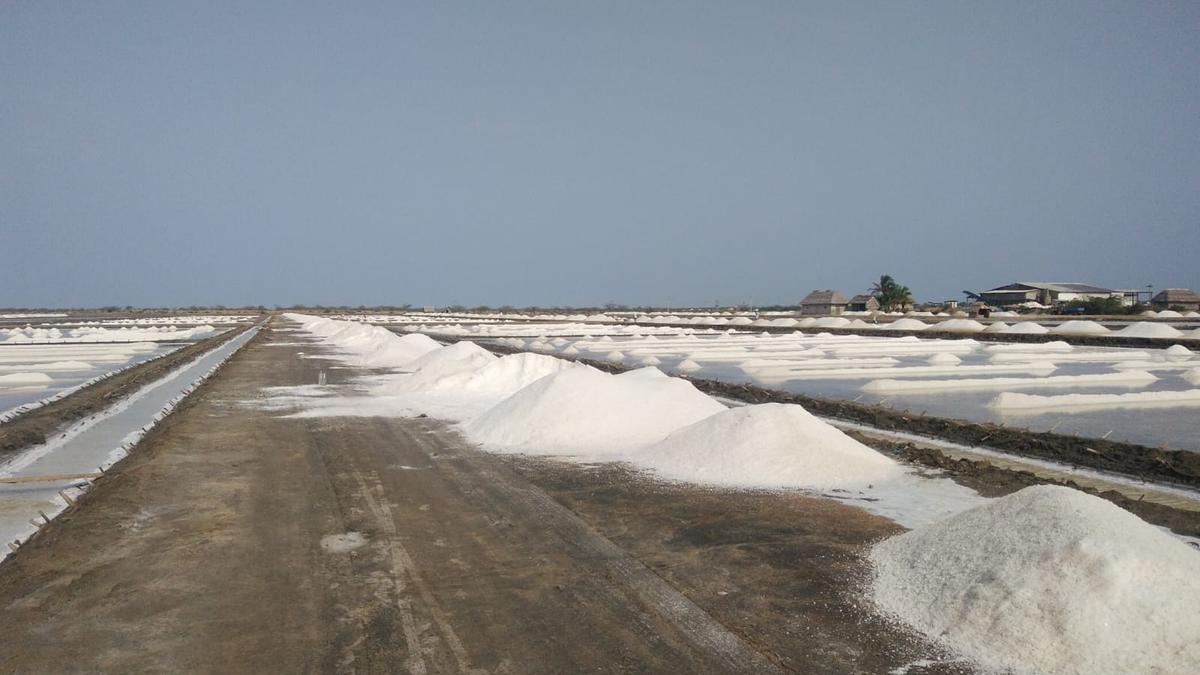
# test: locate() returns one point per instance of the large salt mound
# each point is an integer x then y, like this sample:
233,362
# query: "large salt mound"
1178,353
1026,328
943,359
906,324
831,322
960,326
766,446
1079,328
581,410
400,351
507,375
1047,580
440,368
1147,329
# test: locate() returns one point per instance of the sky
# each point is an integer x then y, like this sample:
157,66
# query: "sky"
582,153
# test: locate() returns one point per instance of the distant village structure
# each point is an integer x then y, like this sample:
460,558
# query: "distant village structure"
1022,294
863,302
1048,294
824,302
1177,298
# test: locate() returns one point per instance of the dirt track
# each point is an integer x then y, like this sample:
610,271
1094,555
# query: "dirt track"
226,543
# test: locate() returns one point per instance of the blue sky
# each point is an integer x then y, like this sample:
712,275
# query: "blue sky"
570,153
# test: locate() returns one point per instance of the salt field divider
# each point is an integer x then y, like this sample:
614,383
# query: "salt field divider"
17,411
57,496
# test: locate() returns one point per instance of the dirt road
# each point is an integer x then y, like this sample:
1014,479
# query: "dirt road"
236,540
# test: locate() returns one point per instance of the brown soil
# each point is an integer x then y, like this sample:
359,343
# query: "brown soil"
33,427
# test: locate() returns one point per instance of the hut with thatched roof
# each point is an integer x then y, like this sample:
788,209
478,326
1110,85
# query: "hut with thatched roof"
1177,298
863,302
824,302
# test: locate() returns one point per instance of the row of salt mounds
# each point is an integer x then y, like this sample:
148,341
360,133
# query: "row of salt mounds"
585,411
368,346
1047,580
466,368
1079,328
1067,402
772,445
1147,329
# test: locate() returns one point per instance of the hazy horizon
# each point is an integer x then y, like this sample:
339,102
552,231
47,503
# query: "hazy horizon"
553,154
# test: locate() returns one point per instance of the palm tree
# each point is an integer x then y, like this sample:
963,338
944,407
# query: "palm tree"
889,293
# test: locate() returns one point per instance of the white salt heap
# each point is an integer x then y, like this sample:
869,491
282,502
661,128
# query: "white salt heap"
906,324
943,359
446,367
1047,580
1031,403
1178,353
1148,329
1079,328
1026,328
766,446
960,326
585,411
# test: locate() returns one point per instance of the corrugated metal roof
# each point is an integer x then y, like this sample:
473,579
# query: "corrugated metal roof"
1056,286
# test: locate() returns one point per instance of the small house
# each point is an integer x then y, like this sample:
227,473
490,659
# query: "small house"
863,303
1177,298
824,302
